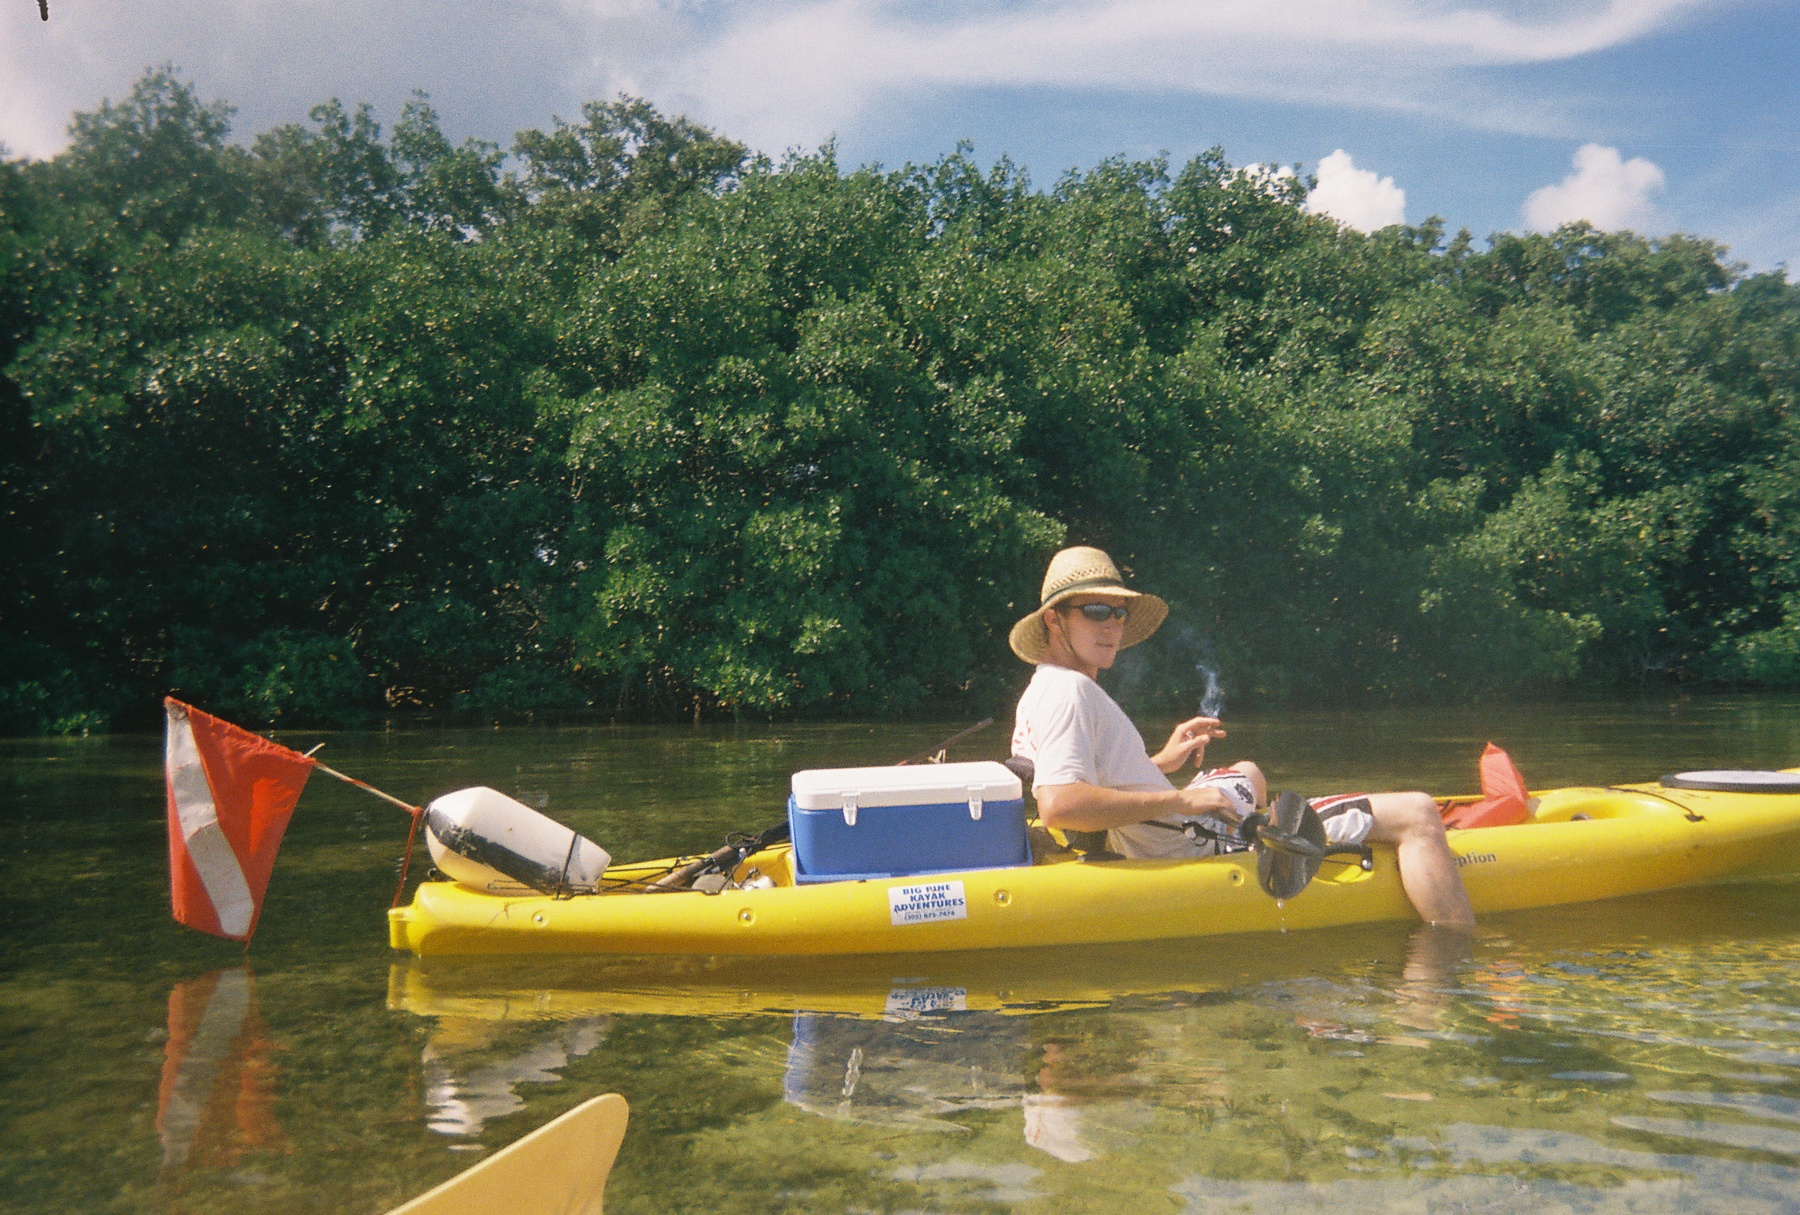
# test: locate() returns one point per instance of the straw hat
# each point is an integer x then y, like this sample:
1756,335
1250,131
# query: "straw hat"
1084,571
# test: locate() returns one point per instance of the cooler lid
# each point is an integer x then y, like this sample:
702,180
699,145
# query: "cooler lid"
911,785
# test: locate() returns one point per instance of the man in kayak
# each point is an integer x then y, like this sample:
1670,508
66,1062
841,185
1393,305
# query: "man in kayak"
1094,773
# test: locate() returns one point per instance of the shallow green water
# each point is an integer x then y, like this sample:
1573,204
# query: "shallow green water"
1641,1055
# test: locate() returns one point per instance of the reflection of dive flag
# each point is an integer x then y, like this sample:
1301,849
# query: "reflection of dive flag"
230,797
217,1094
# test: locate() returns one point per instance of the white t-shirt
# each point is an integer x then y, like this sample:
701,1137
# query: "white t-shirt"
1073,731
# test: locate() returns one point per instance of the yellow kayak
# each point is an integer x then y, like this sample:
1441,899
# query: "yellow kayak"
1579,845
558,1169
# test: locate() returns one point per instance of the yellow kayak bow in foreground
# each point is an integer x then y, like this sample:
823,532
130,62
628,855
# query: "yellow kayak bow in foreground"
1580,844
558,1169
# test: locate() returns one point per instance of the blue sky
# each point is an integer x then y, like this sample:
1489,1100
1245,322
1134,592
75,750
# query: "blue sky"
1660,115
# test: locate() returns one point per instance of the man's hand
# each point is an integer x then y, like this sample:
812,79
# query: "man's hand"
1188,741
1209,800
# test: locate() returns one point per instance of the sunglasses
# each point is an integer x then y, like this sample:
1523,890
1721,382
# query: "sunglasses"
1100,613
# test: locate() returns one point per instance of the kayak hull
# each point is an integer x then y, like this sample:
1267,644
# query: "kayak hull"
1581,845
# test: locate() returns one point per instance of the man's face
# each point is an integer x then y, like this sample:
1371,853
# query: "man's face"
1094,644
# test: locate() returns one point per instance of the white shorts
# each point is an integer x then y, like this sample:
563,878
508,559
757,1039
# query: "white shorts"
1347,817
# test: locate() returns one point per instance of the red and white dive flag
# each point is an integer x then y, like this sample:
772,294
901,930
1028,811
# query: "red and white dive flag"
230,797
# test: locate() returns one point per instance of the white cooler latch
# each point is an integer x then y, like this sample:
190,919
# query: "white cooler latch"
975,802
850,809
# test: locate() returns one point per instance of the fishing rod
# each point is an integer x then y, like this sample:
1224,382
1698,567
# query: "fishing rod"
935,754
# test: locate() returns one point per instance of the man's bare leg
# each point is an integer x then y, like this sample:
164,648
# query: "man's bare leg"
1411,822
1257,781
1259,784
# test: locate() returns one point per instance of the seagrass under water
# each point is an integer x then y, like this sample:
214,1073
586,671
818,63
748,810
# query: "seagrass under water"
1642,1054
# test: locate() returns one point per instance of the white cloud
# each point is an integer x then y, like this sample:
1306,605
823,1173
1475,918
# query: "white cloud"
1273,179
1605,190
808,67
491,68
1356,197
786,72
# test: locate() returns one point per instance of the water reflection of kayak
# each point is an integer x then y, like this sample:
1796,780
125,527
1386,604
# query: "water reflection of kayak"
1580,845
916,1072
565,991
916,988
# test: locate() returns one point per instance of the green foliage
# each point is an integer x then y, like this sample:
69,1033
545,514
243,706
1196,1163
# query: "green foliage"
276,676
620,171
157,161
780,511
351,422
341,178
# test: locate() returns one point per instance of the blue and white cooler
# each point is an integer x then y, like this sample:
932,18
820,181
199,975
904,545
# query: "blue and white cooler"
850,823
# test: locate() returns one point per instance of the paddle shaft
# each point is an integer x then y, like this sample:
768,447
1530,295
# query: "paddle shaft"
680,878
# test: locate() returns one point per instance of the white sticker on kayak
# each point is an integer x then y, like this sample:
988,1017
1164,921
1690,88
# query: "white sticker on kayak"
926,902
911,1003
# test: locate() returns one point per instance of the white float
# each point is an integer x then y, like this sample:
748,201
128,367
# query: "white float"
484,839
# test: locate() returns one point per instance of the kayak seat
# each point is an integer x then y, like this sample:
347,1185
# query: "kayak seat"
1051,844
1576,805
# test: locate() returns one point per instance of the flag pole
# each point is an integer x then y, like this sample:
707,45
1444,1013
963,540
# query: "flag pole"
366,787
412,836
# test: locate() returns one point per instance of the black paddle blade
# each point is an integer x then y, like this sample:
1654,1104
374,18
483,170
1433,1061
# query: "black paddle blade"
1289,847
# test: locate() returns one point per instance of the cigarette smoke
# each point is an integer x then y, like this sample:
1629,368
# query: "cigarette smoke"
1212,701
